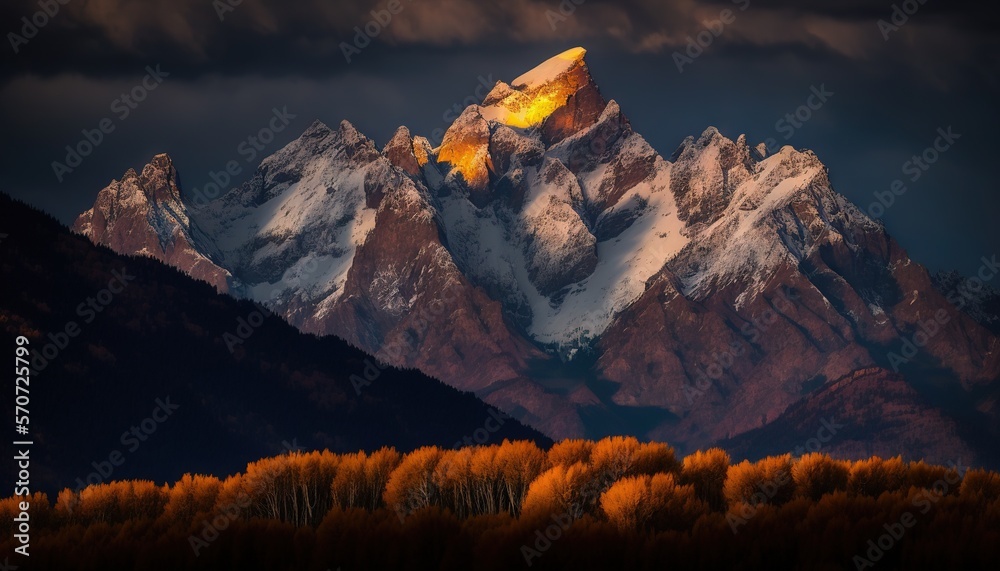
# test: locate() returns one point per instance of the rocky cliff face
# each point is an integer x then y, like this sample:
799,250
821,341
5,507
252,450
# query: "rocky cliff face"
143,214
550,260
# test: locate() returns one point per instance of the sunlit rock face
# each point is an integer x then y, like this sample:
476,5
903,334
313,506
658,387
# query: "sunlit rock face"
555,100
465,152
559,97
143,214
401,152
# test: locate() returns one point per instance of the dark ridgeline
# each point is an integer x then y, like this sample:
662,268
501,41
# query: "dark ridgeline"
167,336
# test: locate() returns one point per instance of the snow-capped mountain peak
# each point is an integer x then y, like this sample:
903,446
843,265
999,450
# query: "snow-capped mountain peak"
558,97
143,213
551,70
545,225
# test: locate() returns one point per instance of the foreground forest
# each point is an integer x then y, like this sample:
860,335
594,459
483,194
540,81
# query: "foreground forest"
612,504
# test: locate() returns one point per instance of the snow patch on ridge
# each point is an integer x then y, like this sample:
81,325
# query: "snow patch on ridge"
292,232
624,265
550,69
494,243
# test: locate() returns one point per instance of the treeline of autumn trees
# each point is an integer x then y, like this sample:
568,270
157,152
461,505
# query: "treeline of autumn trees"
514,505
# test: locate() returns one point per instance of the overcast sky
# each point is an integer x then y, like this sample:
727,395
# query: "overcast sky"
892,88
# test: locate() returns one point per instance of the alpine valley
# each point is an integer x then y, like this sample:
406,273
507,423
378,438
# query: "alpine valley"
549,260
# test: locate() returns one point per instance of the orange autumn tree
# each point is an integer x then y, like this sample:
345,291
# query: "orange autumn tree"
559,491
768,480
484,475
191,498
627,503
361,478
40,511
707,471
874,476
518,464
924,475
569,452
378,469
112,502
645,502
981,484
817,474
616,457
613,458
293,488
411,486
452,476
493,479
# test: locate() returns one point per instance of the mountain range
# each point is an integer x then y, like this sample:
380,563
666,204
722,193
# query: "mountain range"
545,257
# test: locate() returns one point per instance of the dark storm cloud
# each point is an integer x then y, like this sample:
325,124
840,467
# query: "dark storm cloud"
107,37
